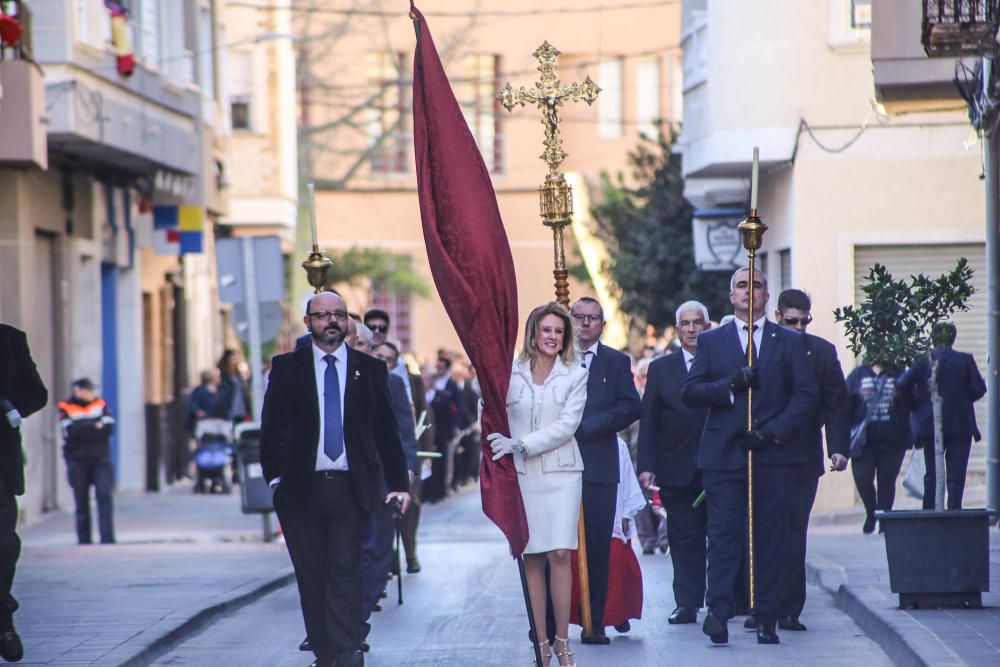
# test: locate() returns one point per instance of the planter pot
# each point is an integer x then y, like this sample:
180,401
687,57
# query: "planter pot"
938,558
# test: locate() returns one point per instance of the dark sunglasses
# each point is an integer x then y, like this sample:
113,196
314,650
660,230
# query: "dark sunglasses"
379,328
796,321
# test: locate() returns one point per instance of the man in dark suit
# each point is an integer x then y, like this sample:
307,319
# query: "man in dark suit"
612,405
784,396
669,433
833,413
444,399
22,393
960,385
328,434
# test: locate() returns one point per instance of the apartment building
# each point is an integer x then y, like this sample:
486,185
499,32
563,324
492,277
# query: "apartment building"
99,291
851,172
355,96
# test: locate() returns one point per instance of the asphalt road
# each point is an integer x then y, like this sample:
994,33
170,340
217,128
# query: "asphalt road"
466,608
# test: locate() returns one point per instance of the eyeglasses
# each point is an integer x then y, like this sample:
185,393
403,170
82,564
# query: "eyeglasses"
587,318
796,321
326,315
379,328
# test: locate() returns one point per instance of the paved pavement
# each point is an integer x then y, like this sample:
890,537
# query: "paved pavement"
191,583
466,608
852,568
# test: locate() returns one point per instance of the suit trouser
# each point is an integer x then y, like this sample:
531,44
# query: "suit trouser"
599,502
99,473
687,527
10,550
801,495
410,521
323,533
881,465
956,462
376,555
726,496
651,528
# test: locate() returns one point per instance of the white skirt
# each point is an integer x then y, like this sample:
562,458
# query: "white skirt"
552,504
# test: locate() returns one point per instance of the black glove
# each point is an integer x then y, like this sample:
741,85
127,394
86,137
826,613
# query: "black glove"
743,379
757,440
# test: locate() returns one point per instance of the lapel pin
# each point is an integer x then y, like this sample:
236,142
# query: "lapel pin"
357,374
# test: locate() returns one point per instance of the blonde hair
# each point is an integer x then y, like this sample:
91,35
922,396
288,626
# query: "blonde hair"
529,348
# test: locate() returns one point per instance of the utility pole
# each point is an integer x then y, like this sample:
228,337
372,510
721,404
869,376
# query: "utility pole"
991,151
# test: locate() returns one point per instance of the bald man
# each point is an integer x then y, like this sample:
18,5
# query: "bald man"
328,433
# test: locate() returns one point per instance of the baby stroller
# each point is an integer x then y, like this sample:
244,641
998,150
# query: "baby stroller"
212,455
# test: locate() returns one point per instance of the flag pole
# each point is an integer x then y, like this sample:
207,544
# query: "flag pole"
556,209
752,230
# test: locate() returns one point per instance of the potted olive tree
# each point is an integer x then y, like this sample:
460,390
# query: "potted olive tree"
936,557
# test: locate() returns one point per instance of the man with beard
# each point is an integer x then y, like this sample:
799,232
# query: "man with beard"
784,397
669,433
328,434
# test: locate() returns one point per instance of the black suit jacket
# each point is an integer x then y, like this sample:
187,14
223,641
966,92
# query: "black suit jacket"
960,385
612,405
834,409
22,387
289,431
404,419
669,430
785,397
446,411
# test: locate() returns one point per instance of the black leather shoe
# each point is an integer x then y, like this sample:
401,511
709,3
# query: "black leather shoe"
623,627
766,634
11,648
791,623
412,566
716,629
377,606
683,616
597,636
869,526
305,645
648,551
750,623
365,646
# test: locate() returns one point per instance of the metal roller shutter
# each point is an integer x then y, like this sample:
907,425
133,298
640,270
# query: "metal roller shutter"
933,260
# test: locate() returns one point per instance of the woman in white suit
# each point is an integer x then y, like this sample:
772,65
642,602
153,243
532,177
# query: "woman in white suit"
548,390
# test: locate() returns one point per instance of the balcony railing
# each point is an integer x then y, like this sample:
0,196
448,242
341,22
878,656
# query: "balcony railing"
960,27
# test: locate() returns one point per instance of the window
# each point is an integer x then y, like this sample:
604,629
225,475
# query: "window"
93,23
861,14
647,100
398,307
206,74
785,258
388,126
241,90
149,24
476,89
610,103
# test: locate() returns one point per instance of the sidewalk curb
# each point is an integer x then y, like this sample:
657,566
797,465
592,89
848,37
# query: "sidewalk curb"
177,626
905,640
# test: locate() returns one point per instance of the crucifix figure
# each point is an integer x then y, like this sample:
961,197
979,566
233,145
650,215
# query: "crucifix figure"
555,194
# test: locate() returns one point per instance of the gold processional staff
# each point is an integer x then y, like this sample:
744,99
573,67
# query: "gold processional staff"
556,199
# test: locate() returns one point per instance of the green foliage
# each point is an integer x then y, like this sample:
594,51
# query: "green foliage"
896,323
386,271
648,233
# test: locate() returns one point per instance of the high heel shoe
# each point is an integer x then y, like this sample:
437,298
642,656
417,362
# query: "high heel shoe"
546,650
563,654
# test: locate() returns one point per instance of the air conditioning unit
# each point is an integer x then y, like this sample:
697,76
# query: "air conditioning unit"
22,115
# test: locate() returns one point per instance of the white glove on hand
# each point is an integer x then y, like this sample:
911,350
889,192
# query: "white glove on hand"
503,445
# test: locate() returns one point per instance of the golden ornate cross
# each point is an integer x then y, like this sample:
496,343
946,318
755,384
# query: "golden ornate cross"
548,96
556,197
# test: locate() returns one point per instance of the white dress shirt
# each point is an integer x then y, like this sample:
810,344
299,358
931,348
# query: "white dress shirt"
324,462
688,358
758,334
588,359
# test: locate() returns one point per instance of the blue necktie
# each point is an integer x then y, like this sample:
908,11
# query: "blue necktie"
333,423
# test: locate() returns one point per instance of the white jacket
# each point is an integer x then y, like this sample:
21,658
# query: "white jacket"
546,418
